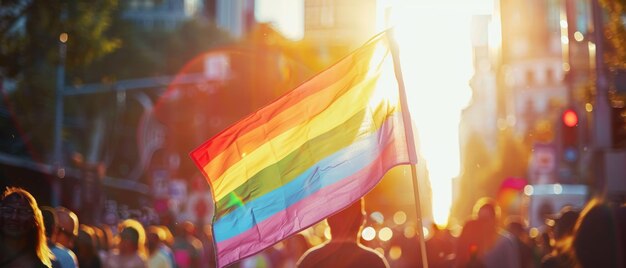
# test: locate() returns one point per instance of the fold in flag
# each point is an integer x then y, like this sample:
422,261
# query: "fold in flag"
308,154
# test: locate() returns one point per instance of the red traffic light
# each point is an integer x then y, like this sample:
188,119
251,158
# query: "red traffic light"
570,118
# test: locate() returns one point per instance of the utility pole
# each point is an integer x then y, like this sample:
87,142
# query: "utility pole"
569,50
58,120
601,135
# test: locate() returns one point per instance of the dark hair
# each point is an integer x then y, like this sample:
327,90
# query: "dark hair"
49,220
487,204
564,225
348,222
595,239
133,230
130,234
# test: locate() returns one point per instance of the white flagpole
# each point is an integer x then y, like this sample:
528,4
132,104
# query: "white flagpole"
406,118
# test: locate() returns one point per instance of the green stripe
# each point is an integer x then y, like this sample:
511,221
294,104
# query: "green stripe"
288,168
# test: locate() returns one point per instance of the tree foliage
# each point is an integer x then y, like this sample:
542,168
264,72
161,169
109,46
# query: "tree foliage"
101,47
151,52
30,36
615,33
30,53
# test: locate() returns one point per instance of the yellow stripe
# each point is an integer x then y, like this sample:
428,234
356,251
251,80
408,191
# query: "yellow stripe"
279,147
293,115
320,98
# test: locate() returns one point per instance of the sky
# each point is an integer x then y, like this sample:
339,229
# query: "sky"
286,15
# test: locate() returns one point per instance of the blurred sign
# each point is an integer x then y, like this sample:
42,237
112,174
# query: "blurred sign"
548,199
160,183
509,193
178,189
216,67
543,164
178,195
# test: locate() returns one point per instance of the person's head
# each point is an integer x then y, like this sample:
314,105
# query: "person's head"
86,242
105,236
155,237
487,211
132,238
21,220
595,239
564,224
486,207
185,228
348,222
515,225
98,236
67,227
49,221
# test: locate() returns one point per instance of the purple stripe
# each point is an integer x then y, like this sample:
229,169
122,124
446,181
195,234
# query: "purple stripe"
314,208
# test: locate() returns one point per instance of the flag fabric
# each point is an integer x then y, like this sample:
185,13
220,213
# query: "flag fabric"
308,154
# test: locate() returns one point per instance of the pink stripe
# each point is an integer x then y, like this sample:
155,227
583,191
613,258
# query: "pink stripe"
313,209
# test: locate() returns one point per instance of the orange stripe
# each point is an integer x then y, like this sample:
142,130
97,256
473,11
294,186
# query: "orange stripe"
279,116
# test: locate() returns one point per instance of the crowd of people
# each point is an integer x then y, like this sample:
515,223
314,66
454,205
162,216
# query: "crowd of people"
43,236
594,236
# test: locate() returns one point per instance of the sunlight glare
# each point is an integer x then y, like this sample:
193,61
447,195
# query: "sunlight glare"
381,65
436,58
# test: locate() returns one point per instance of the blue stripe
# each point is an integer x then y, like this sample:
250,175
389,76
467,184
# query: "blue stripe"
332,169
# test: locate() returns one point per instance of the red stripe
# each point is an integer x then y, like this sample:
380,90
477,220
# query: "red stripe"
335,76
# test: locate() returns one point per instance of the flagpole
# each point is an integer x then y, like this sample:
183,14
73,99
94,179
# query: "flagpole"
406,119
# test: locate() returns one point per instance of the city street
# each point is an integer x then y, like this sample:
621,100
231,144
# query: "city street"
313,133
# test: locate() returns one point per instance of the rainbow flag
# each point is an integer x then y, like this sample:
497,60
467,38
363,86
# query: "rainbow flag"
307,155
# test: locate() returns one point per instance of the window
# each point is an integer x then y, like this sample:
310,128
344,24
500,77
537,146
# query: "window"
550,76
530,78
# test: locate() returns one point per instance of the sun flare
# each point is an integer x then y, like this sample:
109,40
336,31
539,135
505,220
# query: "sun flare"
436,57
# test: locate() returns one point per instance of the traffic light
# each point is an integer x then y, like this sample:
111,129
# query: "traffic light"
569,136
569,145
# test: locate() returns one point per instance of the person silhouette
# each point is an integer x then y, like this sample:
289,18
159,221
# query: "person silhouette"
344,249
67,224
596,238
483,243
63,256
500,249
22,236
131,249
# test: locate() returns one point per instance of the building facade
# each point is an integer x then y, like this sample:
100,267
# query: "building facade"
338,26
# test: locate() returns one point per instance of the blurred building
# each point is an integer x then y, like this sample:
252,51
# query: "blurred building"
480,116
531,61
338,26
543,67
538,50
166,14
234,16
